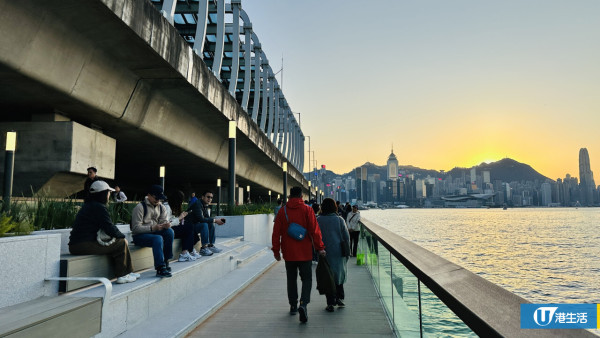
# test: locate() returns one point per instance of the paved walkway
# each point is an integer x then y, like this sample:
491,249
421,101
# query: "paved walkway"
262,310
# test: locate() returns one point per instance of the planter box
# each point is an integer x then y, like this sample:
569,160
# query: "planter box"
255,228
26,261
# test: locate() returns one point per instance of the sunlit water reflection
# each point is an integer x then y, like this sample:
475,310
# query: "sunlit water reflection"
543,255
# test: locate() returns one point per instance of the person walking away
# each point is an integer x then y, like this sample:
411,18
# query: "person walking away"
353,220
333,230
94,216
278,207
297,253
150,228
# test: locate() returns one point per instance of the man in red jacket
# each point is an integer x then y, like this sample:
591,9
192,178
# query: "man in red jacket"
297,254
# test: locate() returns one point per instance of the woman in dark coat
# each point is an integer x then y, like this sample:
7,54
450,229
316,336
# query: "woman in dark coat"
333,229
92,217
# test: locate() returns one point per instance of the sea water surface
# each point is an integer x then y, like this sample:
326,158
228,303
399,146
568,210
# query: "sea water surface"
545,255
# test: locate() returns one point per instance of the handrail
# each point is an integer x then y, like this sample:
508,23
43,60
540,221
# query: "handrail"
488,309
103,280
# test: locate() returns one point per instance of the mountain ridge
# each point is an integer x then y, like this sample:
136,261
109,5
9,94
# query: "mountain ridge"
506,170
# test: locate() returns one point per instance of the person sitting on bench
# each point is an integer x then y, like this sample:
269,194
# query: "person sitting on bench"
93,217
151,228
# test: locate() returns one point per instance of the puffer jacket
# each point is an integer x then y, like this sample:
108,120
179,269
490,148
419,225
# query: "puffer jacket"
294,250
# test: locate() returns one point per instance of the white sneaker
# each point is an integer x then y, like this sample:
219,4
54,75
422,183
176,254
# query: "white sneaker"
186,257
125,279
135,275
195,254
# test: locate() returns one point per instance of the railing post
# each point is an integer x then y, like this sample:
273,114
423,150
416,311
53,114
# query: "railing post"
420,309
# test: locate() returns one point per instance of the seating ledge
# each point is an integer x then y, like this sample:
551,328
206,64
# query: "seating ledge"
101,265
53,316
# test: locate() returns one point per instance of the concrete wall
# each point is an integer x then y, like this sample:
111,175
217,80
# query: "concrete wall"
255,228
25,261
55,155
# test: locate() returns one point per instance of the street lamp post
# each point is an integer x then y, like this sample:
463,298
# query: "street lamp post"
284,182
219,196
232,132
161,174
248,190
309,164
9,167
269,196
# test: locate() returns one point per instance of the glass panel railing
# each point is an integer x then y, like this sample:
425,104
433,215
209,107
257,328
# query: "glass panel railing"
413,309
385,280
438,320
406,301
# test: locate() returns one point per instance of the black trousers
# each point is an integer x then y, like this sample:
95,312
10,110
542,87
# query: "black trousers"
339,294
354,242
292,268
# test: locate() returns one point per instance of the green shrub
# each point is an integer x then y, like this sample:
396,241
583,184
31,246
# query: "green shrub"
246,209
10,224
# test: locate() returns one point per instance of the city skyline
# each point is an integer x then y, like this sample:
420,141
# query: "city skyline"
449,84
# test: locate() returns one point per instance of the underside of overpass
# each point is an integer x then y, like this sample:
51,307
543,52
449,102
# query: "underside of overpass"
119,69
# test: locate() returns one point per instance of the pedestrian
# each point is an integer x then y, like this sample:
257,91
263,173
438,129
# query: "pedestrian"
193,199
334,232
91,178
353,221
92,217
297,253
119,198
151,228
278,207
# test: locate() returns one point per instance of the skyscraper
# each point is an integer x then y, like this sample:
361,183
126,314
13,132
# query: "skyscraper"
392,166
586,178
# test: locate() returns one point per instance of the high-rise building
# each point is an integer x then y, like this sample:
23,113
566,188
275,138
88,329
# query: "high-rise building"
586,178
546,194
392,166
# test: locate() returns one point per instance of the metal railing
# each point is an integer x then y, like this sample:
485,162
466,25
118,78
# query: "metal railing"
426,295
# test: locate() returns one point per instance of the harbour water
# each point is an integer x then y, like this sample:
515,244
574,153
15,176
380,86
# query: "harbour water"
545,255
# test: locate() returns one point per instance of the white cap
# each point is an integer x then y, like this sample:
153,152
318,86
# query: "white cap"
99,186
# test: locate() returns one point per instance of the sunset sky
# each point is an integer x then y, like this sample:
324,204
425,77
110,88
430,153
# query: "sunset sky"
449,83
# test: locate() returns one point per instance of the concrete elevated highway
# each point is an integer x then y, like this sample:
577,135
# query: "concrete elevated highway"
118,85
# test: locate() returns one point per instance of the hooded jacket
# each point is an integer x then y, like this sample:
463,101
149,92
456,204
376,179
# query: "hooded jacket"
294,250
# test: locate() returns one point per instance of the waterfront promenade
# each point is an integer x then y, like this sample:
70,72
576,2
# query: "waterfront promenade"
262,310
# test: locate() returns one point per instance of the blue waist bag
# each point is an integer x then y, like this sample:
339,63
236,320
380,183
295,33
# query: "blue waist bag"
295,230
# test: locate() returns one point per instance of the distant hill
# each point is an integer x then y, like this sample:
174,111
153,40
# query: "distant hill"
506,170
409,169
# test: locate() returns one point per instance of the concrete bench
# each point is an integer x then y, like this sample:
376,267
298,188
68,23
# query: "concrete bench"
62,316
101,265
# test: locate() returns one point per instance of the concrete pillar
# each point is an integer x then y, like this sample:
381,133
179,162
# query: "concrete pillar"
58,166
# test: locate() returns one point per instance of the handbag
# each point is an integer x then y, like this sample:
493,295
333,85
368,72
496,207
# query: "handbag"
295,230
344,246
103,239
